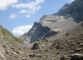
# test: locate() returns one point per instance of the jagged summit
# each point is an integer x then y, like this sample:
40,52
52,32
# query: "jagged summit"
74,7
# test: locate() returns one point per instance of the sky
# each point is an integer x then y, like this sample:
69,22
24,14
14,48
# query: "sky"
18,16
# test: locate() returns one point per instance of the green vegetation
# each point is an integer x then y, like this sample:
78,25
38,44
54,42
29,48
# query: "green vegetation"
3,32
18,40
39,42
8,35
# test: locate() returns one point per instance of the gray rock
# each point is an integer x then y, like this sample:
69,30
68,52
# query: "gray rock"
76,56
35,46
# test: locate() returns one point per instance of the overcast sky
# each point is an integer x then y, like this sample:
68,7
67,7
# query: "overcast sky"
18,16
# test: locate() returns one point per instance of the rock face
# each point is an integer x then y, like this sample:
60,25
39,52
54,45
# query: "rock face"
66,18
74,7
38,32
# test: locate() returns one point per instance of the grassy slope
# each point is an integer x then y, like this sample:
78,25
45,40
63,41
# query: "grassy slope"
8,35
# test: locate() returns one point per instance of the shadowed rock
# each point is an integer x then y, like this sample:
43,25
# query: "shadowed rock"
35,46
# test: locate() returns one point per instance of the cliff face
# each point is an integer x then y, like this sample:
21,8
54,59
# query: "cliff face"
37,32
74,7
66,18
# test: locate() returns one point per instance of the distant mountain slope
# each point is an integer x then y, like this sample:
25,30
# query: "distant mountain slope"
66,18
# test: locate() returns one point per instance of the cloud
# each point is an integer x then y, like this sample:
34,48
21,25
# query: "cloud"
23,11
69,1
27,16
34,10
26,9
5,3
72,0
31,7
21,29
13,16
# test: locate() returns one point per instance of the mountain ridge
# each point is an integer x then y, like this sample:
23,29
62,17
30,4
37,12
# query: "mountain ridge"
68,16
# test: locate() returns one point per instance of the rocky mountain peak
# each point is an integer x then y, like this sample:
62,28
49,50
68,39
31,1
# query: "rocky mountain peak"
68,16
75,7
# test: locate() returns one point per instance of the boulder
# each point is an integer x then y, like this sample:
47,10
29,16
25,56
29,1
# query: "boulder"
76,56
35,46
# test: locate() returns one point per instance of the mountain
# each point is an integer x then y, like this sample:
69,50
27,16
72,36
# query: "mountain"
48,25
58,36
